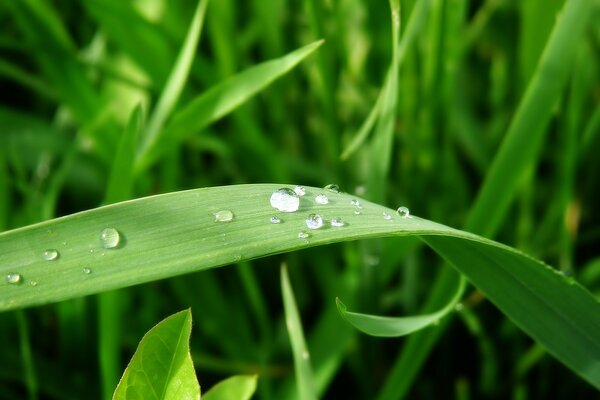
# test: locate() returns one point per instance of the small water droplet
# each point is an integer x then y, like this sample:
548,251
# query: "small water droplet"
299,190
357,212
50,255
355,203
387,216
459,307
109,238
337,222
86,270
314,221
64,243
321,199
403,212
275,219
33,283
223,216
332,187
285,200
14,278
303,235
237,257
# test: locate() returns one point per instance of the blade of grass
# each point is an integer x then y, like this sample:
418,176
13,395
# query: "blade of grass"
174,86
305,381
172,234
220,100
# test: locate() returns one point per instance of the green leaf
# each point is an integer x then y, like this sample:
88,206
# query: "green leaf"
376,325
239,387
220,100
305,381
171,234
162,367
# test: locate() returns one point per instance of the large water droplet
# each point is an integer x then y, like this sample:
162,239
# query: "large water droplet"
50,255
387,216
223,216
285,200
275,220
314,221
337,222
321,199
109,238
404,212
332,187
14,278
299,190
303,235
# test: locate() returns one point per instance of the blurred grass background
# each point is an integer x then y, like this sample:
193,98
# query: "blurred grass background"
71,75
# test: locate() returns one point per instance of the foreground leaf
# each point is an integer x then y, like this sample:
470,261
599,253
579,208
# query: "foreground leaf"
176,233
162,367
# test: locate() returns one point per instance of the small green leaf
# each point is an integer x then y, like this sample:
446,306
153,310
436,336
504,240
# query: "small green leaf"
239,387
162,367
376,325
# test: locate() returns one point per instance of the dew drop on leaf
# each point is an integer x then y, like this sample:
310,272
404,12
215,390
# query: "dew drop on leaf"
303,235
321,199
86,270
387,216
14,278
285,200
50,255
299,190
223,216
275,219
332,187
403,212
109,238
314,221
337,222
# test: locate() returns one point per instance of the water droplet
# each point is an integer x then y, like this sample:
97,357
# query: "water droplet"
285,200
50,255
14,278
64,243
332,187
299,190
86,270
403,212
337,222
355,203
237,257
357,212
303,235
223,216
321,199
109,238
387,216
314,221
275,219
33,283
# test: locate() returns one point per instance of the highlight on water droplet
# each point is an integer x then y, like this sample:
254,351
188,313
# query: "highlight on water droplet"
299,190
404,212
357,212
275,219
50,255
109,238
332,187
337,222
314,221
86,270
387,216
303,235
285,200
321,199
223,216
14,278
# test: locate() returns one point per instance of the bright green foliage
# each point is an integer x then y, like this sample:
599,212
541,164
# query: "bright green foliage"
240,387
162,367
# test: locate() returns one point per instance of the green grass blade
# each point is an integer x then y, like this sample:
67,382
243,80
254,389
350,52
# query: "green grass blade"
220,100
162,367
376,325
239,387
305,380
172,234
174,86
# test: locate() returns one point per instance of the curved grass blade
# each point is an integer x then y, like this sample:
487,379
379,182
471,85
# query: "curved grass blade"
239,387
305,380
162,367
171,234
220,100
376,325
